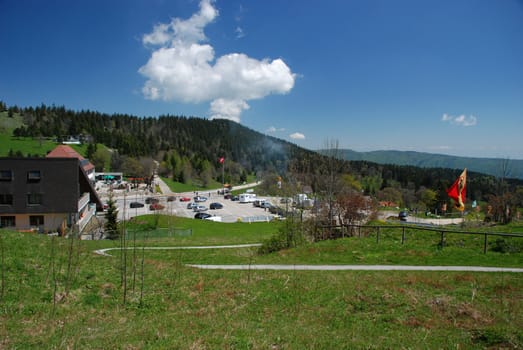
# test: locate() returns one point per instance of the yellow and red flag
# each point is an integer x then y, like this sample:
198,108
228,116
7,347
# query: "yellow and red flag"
458,190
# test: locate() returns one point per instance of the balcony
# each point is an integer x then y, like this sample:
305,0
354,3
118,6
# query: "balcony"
83,202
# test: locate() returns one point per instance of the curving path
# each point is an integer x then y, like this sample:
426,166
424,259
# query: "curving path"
103,252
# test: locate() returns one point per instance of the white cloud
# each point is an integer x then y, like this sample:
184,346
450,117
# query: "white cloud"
228,109
239,33
461,120
273,129
183,68
297,136
440,148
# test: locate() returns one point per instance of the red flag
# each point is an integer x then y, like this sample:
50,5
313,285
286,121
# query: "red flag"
222,159
458,190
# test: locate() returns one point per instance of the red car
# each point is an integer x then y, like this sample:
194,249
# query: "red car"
185,199
156,206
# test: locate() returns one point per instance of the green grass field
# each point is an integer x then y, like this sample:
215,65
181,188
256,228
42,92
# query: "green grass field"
57,294
181,187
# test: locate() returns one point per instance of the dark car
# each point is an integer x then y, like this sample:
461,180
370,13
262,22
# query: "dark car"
201,215
276,210
403,215
136,205
151,200
171,198
235,198
216,206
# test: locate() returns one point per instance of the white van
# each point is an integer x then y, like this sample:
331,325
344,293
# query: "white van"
247,197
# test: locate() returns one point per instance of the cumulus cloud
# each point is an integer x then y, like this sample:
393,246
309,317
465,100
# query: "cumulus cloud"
461,120
183,67
297,136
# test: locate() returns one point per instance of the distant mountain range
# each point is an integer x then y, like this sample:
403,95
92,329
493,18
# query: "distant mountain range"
491,166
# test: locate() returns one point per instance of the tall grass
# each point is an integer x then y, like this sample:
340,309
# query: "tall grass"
185,308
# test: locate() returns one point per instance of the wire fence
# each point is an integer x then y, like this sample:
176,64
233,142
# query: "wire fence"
340,231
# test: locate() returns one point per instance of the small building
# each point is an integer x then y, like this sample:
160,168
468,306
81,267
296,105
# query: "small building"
46,194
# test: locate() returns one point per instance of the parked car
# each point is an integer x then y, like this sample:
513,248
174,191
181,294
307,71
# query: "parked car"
191,205
171,198
185,199
403,215
276,210
235,198
199,208
216,206
151,200
200,199
265,204
156,206
136,205
201,215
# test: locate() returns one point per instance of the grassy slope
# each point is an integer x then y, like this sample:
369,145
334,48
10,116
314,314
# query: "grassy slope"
188,308
181,187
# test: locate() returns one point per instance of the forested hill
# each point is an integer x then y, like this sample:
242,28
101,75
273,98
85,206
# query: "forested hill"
189,148
193,138
491,166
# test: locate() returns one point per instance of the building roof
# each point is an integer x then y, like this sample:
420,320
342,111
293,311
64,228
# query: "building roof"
64,151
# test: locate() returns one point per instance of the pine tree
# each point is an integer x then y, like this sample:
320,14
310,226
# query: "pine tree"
111,225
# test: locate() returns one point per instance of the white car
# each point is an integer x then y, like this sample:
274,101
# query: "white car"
199,208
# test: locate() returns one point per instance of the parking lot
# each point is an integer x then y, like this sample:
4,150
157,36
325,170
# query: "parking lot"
170,204
232,211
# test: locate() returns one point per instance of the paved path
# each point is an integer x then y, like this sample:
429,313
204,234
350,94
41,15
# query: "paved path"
103,252
358,268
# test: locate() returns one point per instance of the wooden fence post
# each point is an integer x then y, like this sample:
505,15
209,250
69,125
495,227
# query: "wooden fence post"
403,235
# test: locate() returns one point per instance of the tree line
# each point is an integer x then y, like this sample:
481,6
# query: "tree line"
190,147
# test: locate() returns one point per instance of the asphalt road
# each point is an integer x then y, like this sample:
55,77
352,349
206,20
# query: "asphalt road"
104,252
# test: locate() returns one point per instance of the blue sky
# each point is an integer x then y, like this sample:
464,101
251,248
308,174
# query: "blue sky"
432,76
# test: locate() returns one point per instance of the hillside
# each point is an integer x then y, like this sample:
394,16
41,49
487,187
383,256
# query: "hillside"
491,166
188,150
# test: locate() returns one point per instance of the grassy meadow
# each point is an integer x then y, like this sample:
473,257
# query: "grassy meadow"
57,294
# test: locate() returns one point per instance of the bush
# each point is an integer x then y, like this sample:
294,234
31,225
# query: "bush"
288,236
511,246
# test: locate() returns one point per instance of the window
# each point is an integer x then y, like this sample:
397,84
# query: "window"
33,176
6,199
7,221
34,198
6,175
36,220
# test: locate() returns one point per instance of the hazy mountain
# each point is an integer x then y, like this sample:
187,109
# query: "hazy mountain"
491,166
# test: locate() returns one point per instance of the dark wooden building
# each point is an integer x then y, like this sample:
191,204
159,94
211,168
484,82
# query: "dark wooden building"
46,194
